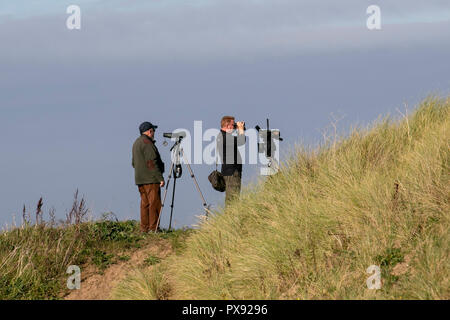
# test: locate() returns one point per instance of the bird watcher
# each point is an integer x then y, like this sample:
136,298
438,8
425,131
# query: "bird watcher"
227,146
148,173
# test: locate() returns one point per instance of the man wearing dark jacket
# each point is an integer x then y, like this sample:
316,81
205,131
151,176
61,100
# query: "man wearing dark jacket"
148,173
227,146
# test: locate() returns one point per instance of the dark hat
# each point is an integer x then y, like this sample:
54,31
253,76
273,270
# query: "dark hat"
145,126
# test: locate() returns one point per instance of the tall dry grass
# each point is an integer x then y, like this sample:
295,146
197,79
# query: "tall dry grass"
34,257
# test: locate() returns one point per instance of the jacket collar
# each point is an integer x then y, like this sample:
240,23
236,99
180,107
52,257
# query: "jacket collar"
148,138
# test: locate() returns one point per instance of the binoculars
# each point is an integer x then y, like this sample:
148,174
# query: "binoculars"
235,125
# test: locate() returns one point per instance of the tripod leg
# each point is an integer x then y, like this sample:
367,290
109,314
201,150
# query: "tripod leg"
205,206
173,199
172,165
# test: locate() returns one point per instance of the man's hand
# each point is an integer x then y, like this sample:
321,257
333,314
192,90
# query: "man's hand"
240,126
161,184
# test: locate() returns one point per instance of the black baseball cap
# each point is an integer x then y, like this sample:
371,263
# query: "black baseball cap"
145,126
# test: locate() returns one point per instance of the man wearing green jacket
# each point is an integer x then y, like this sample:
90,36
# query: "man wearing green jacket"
148,174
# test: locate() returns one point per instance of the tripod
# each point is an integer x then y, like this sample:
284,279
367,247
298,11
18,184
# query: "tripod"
176,170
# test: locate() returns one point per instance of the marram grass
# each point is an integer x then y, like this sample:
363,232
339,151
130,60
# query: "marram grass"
379,196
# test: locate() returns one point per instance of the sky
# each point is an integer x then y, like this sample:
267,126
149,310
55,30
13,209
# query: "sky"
71,100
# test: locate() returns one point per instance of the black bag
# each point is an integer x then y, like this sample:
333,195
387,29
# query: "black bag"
217,181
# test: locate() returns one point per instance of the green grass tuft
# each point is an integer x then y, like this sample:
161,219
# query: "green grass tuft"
34,259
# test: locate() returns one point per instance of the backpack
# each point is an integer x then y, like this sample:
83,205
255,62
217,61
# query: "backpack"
217,180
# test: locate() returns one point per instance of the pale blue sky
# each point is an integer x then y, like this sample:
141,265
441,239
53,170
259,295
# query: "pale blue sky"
71,101
400,11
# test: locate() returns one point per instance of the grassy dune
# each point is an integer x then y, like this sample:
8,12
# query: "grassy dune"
379,196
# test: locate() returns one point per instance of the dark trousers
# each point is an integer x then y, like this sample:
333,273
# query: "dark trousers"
150,206
232,187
